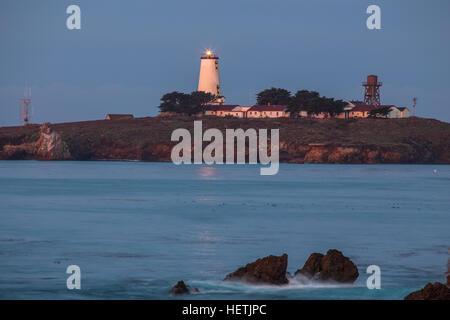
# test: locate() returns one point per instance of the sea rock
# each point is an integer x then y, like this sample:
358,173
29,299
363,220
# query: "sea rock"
432,291
50,145
333,266
312,266
448,271
182,288
268,270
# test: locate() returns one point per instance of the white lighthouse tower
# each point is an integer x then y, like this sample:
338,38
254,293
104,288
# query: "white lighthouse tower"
208,80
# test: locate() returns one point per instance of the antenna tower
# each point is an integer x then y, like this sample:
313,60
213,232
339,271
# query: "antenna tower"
25,107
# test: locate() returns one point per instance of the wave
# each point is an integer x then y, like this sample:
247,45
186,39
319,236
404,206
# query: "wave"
296,283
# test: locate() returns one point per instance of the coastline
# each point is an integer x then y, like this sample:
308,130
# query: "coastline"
327,141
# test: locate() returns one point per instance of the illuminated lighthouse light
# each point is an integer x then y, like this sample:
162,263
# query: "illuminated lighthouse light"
208,80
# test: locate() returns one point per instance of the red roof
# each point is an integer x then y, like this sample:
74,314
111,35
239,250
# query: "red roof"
112,116
363,108
223,107
268,108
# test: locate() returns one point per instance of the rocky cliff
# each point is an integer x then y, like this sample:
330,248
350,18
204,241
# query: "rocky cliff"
351,141
49,146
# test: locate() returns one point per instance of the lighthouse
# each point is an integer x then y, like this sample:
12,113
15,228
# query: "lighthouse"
208,80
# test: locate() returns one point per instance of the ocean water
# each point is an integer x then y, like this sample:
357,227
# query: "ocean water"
137,228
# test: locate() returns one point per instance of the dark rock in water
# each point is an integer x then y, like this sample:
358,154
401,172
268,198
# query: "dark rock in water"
432,291
338,268
312,266
268,270
180,288
333,266
448,272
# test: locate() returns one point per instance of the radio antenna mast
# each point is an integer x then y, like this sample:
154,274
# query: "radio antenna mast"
25,107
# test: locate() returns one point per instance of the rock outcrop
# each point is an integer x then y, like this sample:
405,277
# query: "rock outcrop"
23,151
312,266
50,146
344,155
333,266
432,291
181,288
268,270
448,272
317,154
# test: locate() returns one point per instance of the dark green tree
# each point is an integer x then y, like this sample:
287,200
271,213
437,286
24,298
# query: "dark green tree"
201,99
335,107
273,96
301,101
185,103
172,102
314,104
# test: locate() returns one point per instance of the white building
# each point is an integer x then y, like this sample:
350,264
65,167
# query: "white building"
237,111
398,112
269,111
208,80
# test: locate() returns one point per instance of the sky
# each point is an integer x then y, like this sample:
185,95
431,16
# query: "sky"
127,54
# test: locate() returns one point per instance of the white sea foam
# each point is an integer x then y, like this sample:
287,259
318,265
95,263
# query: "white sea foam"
296,283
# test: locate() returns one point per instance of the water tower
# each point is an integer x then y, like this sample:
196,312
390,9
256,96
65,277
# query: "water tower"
372,90
208,80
